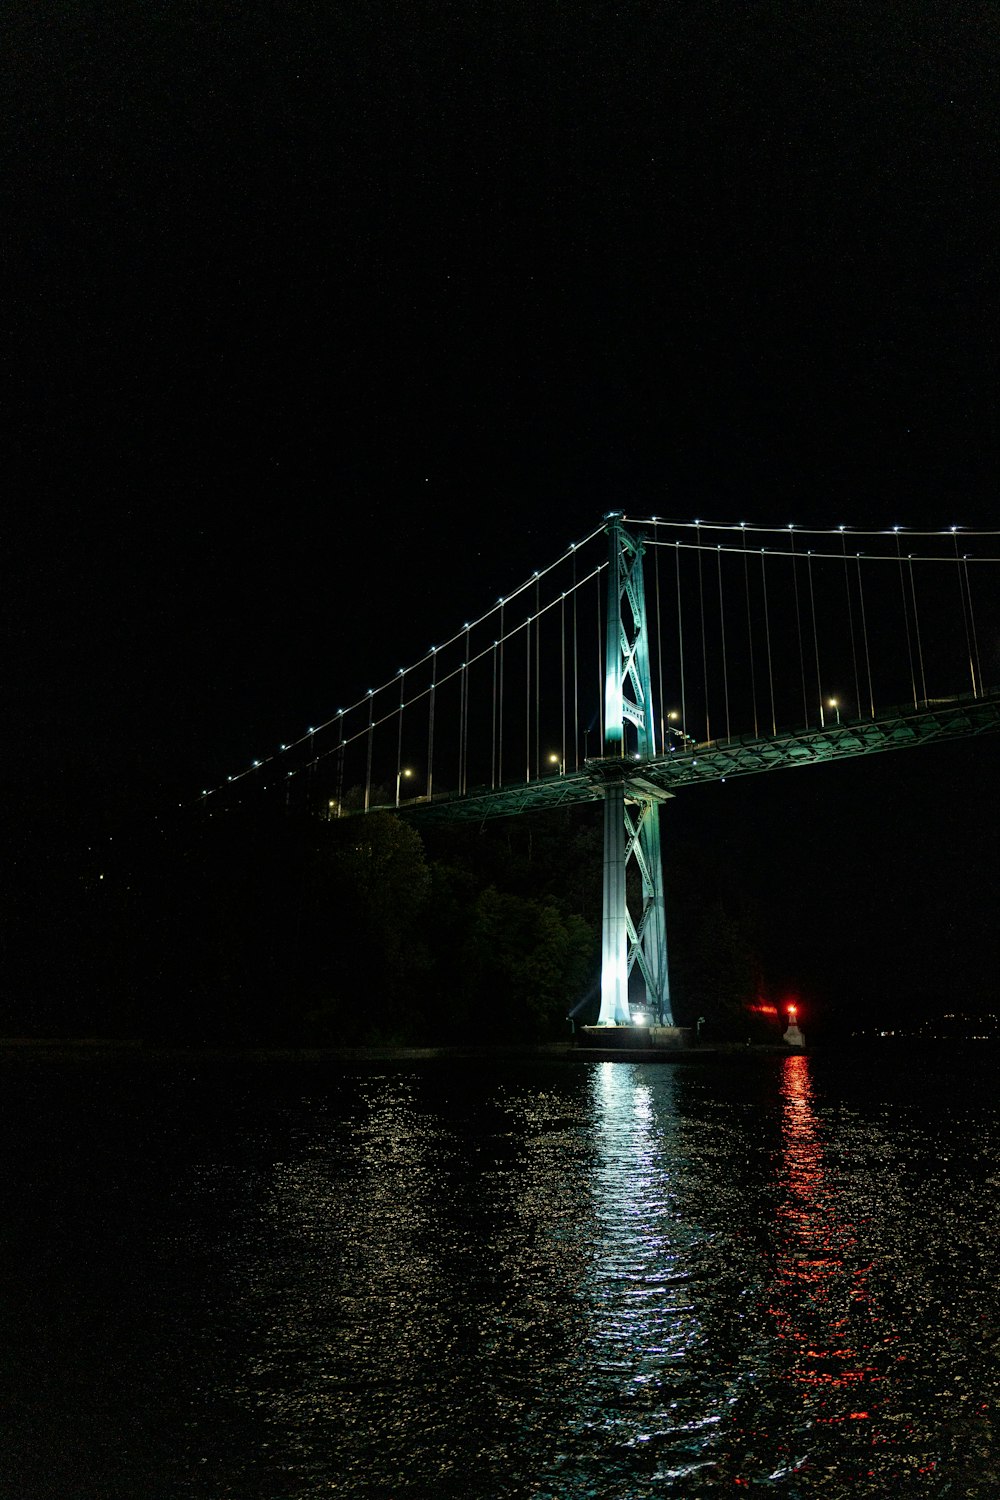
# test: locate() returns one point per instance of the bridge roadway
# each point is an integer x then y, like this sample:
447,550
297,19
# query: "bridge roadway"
662,776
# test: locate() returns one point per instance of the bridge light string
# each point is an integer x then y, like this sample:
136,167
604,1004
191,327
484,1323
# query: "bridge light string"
375,721
550,605
699,525
928,557
819,620
428,692
326,724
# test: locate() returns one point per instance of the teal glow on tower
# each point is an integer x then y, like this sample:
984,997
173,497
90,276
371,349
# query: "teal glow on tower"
631,799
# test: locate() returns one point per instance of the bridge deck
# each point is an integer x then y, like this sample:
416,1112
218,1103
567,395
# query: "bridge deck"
663,775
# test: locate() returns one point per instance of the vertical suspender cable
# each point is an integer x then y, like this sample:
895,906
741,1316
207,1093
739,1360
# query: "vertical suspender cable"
659,656
972,622
812,606
576,679
493,728
340,766
680,639
371,736
704,647
527,699
850,621
562,674
538,689
461,722
965,614
798,627
399,733
464,778
430,726
500,713
864,632
600,662
753,669
767,633
906,623
916,631
722,627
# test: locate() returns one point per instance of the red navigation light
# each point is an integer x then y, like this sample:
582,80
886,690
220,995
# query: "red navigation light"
793,1011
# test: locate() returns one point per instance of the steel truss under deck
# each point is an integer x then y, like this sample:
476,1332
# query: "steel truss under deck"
955,718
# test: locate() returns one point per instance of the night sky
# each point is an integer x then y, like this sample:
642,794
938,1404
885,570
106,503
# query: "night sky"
324,324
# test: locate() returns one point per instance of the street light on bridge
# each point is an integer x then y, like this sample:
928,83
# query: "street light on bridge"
671,728
403,771
555,760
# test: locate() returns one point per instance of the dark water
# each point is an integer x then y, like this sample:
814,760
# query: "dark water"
278,1279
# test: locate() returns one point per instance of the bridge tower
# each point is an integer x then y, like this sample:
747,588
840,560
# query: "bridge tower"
631,800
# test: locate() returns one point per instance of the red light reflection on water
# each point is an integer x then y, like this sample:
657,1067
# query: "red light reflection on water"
821,1288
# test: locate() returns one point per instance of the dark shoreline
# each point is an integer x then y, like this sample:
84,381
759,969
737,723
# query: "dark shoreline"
560,1049
567,1051
95,1048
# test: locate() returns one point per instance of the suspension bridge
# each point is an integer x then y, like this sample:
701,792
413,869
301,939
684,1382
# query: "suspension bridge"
652,656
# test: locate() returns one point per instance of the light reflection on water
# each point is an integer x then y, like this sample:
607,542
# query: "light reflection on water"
634,1286
553,1282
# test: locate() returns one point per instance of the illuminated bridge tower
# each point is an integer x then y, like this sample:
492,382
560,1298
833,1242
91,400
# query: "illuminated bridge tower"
631,800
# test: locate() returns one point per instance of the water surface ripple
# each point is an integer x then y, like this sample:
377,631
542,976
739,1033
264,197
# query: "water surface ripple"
275,1281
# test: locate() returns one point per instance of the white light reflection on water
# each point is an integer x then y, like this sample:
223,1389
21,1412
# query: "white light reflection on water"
622,1281
640,1406
499,1282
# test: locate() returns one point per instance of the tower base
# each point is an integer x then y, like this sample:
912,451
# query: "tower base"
634,1038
